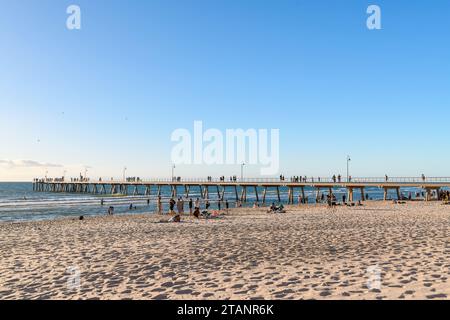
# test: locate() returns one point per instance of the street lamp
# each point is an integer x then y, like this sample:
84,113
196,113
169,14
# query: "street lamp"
242,171
64,175
173,167
348,160
124,170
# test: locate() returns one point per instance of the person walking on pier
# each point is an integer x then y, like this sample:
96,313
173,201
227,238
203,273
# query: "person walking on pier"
386,177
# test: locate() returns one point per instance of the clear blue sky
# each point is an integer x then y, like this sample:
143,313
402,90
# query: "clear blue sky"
111,93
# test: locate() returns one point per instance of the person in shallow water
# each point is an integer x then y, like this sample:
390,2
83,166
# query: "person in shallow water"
110,210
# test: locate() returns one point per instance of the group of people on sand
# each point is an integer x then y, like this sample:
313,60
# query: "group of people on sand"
276,209
177,208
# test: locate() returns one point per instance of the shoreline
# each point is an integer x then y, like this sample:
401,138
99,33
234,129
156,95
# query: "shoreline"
310,252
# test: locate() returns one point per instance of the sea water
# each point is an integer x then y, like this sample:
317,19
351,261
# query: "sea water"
18,201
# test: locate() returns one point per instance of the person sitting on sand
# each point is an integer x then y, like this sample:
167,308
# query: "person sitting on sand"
273,207
196,212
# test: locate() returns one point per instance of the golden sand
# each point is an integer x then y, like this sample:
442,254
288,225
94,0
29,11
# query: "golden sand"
377,251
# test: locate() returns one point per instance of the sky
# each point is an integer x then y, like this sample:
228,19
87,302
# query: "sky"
109,95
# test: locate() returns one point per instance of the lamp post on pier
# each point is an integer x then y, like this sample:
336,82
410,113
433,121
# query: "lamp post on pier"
124,171
173,168
348,161
242,171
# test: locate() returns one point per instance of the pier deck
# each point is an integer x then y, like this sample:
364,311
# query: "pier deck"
431,186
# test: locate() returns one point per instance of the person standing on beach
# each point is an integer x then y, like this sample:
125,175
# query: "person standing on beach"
207,205
171,205
148,202
159,205
182,205
227,205
218,204
197,203
179,206
190,206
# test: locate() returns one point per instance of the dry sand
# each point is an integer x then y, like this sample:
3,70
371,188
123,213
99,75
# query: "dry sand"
311,252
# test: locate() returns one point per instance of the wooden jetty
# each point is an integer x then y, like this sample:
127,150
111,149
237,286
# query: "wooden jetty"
431,186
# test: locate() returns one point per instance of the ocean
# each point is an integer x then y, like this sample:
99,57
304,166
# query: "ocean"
18,201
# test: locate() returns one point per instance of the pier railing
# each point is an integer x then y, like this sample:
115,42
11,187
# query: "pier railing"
400,180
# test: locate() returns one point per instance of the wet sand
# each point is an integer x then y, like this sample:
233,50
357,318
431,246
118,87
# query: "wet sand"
377,251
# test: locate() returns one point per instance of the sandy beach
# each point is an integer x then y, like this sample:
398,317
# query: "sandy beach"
377,251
